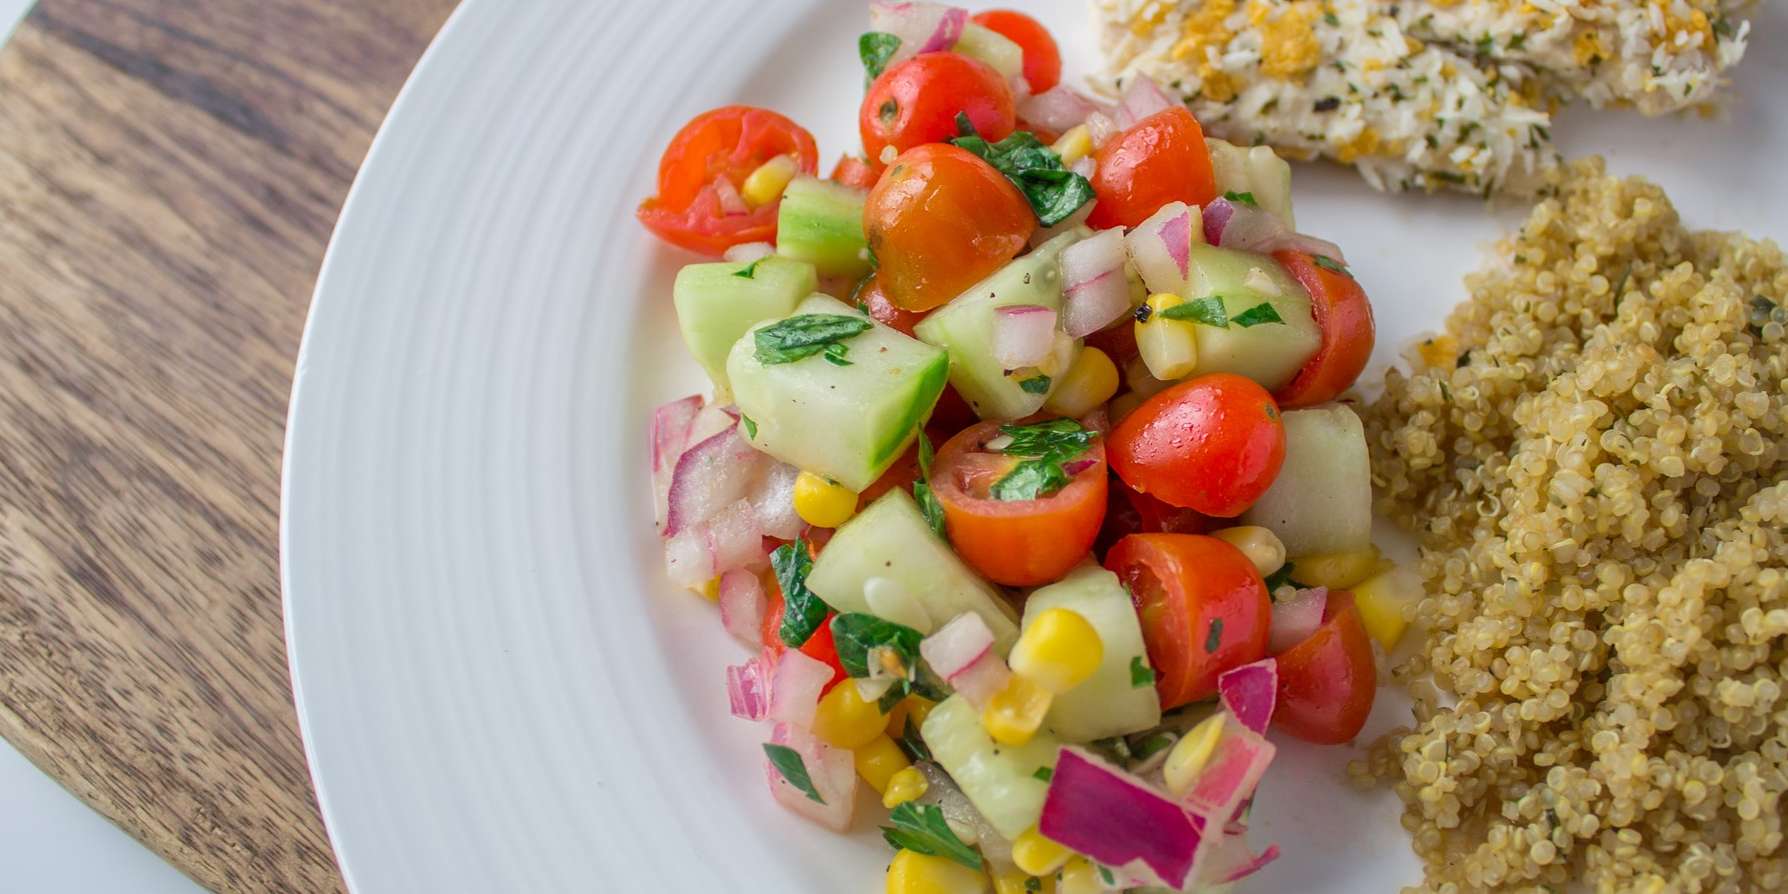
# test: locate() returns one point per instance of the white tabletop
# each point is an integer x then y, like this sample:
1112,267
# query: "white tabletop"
51,843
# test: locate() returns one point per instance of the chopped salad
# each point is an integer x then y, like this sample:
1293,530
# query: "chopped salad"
1022,478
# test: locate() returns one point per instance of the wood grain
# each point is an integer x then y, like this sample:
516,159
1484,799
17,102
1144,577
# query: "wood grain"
170,171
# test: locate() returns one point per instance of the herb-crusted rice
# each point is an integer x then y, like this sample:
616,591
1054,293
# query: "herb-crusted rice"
1593,457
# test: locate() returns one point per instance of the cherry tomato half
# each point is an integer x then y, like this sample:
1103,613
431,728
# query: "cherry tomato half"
1042,58
1214,444
1343,316
727,144
1160,159
820,647
1019,543
1203,607
1328,681
854,172
939,220
883,310
917,101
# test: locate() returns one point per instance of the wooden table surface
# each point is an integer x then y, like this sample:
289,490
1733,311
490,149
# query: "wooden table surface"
170,171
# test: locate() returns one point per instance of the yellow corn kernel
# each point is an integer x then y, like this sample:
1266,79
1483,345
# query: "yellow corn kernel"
1261,546
1037,855
711,589
1091,381
1338,571
845,720
1190,754
1382,601
1013,714
878,761
1074,145
907,785
765,185
1169,347
1439,351
1079,877
1058,650
823,503
915,707
915,873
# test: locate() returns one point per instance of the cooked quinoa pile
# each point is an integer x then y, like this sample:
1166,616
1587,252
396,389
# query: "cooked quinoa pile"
1592,459
1422,94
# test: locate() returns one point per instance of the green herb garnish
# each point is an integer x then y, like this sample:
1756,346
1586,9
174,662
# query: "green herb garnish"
788,762
1258,315
1033,884
1215,638
921,828
834,354
1328,263
1208,310
912,742
1332,20
1243,198
1054,192
749,271
1282,578
925,455
1043,773
875,48
930,508
1140,675
1038,384
1153,744
802,611
863,639
1057,436
806,335
1106,876
1030,479
750,427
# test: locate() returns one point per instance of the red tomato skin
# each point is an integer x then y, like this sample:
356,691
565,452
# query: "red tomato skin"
1042,58
1020,543
820,646
939,220
729,142
1182,584
883,310
1344,317
1161,159
917,101
1328,681
854,172
1212,444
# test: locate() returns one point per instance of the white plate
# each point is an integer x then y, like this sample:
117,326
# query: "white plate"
499,691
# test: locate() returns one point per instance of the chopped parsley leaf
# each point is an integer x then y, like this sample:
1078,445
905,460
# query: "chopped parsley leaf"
1038,384
912,742
921,828
802,611
1030,480
834,354
1054,192
805,335
1152,745
749,271
1208,310
1257,315
1332,20
863,638
1242,198
750,427
1328,263
875,48
930,508
1064,436
1282,578
1106,876
1043,773
788,762
1140,675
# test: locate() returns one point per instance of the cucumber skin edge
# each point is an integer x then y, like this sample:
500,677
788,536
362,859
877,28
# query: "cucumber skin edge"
928,390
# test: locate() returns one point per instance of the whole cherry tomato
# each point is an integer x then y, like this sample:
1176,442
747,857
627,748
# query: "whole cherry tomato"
1019,543
1204,609
939,220
1042,58
1214,444
883,310
1160,159
854,172
1328,681
726,144
1343,316
917,101
820,646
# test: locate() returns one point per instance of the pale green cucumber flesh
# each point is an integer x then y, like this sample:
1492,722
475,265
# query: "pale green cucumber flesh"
717,302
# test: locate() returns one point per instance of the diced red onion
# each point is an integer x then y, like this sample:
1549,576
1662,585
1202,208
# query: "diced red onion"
832,771
773,499
746,252
1044,234
742,605
1090,258
1295,618
1161,247
1244,227
1060,108
687,559
728,196
1141,99
795,687
982,680
1250,692
748,688
710,476
1086,167
921,27
1096,304
1104,813
1023,335
1229,775
1101,127
957,645
735,539
1227,859
1098,420
670,434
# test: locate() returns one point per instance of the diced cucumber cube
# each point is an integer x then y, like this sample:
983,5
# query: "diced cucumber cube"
1322,500
1007,784
1119,697
845,422
1268,353
993,48
716,303
821,222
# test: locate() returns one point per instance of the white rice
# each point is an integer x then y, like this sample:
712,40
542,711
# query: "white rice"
1422,95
